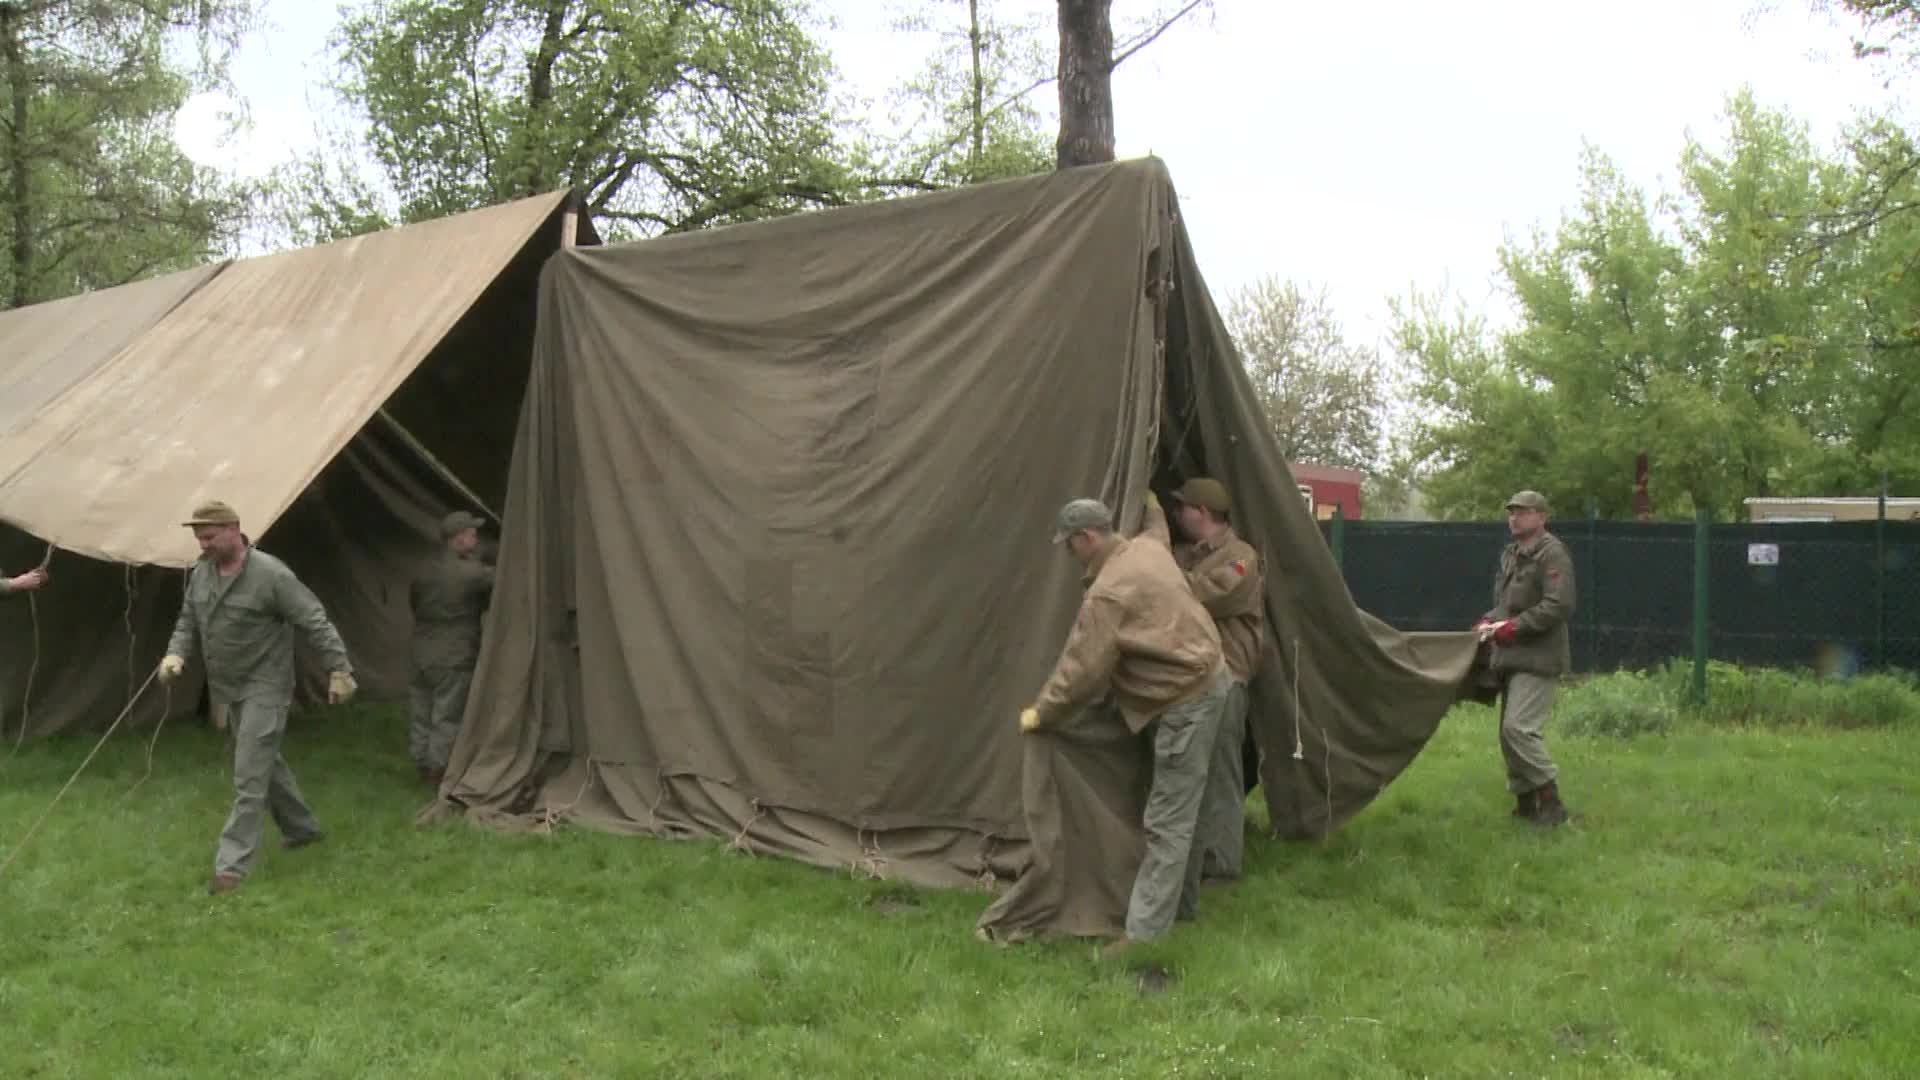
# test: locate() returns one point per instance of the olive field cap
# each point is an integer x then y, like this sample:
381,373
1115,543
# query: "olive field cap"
1206,493
213,512
453,524
1528,500
1082,514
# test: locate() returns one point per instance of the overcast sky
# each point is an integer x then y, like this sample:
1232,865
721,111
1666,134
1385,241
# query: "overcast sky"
1367,147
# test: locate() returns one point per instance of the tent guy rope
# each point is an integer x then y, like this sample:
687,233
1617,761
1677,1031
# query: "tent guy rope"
88,760
33,666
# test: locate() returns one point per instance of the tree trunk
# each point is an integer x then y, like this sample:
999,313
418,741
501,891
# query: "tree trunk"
18,180
533,179
1086,83
975,41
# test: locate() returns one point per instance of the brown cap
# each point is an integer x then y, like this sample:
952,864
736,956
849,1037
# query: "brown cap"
1206,493
1528,500
213,512
459,520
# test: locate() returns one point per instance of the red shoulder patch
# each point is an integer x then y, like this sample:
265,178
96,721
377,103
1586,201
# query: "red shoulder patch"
1240,567
1553,575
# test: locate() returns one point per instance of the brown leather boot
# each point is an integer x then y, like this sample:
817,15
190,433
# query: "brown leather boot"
1548,810
223,883
1524,805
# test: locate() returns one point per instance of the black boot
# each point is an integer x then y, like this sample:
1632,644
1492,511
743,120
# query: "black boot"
1548,810
1525,807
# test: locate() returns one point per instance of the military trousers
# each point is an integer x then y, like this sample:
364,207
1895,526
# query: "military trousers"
437,701
1168,882
262,785
1525,703
1223,810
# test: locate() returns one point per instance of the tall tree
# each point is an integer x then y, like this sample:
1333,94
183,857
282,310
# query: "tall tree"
1735,333
96,192
666,114
1323,397
1088,57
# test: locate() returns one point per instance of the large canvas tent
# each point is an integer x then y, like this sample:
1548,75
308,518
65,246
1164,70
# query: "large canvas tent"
341,397
776,563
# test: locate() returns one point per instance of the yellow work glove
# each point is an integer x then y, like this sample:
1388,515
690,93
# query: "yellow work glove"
340,688
171,667
1153,501
1029,721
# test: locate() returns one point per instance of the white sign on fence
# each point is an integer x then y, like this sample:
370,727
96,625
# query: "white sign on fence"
1763,554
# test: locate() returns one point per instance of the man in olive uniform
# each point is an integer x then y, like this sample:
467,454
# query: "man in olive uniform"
1225,575
448,602
1533,597
1142,638
26,582
239,615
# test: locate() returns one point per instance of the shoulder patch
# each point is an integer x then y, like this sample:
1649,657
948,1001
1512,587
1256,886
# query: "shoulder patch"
1240,567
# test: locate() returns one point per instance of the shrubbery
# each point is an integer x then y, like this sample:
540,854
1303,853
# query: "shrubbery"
1628,703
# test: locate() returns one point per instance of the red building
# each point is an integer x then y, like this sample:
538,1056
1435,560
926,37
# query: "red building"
1325,487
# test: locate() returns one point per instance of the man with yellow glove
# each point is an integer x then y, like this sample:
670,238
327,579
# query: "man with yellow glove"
239,615
1142,639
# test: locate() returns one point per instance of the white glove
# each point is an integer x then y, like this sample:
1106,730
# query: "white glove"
340,688
171,667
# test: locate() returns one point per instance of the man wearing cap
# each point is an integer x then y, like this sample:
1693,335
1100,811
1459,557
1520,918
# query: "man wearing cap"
1533,596
1225,575
448,601
26,582
240,612
1143,639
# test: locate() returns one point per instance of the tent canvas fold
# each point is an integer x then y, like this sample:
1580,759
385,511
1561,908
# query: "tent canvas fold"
776,564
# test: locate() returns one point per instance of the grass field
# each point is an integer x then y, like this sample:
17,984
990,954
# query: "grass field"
1725,901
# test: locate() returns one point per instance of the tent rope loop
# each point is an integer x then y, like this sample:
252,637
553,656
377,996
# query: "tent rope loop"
552,816
659,796
872,859
739,842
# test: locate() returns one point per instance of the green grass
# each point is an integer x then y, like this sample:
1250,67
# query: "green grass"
1725,901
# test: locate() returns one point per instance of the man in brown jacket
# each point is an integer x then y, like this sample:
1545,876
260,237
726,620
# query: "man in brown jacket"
1226,576
1143,640
1533,597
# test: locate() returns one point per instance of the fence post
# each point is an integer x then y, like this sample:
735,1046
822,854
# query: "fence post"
1593,584
1702,535
1880,580
1337,530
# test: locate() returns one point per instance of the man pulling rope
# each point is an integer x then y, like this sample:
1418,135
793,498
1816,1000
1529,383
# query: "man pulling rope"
240,611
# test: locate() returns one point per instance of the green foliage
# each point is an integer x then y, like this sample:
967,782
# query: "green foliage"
1747,333
970,115
1621,704
1630,703
664,115
94,192
1322,396
1689,922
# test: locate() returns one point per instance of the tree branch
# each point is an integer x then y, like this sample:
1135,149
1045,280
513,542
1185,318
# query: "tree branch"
1142,41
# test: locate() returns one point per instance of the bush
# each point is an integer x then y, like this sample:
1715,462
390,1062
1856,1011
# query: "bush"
1621,705
1630,703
